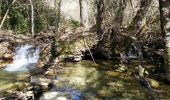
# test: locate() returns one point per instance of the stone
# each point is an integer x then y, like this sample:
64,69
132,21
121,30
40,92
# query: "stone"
20,85
40,81
153,83
30,95
55,95
71,58
7,55
120,68
113,74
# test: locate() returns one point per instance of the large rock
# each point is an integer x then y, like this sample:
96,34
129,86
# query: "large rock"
41,81
5,52
153,83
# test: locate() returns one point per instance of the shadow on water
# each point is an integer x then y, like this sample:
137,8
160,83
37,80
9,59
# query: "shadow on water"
100,82
10,81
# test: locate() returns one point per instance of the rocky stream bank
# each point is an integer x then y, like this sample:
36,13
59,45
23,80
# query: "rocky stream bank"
69,77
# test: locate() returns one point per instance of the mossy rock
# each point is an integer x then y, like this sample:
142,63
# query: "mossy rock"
113,74
120,68
14,86
153,83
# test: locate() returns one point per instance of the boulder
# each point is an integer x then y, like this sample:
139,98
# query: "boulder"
153,83
41,81
71,58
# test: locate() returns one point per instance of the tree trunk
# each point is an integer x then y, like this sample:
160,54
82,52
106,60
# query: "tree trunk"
100,11
81,13
119,13
57,19
32,18
165,27
57,23
0,9
135,25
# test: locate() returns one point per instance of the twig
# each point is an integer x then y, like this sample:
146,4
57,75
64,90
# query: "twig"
45,47
104,33
88,49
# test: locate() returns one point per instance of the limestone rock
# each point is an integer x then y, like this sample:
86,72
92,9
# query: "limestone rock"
153,83
41,81
72,58
54,95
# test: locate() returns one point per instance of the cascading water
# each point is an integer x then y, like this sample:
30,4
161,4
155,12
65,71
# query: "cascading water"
24,58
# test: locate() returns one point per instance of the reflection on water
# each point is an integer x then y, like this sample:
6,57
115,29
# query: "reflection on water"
10,81
75,93
101,82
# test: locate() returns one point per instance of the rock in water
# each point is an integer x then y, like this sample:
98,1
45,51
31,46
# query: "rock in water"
54,95
41,81
153,83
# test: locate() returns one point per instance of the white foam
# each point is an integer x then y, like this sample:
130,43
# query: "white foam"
24,57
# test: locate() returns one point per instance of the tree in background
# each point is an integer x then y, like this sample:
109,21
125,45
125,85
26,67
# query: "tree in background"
165,29
81,13
32,18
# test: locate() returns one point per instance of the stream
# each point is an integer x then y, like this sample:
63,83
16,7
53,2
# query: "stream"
82,80
100,82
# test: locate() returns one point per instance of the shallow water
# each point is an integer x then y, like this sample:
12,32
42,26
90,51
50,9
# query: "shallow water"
100,82
89,81
12,81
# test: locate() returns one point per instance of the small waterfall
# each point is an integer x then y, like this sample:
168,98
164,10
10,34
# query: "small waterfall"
24,58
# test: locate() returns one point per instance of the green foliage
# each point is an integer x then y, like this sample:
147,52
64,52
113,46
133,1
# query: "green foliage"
40,24
74,24
18,22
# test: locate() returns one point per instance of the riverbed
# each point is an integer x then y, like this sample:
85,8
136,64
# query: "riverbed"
86,80
100,82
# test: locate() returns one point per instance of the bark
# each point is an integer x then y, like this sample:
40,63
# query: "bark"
32,18
0,9
6,13
119,13
100,11
81,13
165,27
56,34
58,11
135,25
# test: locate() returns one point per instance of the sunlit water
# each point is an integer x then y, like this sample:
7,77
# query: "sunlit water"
100,82
24,57
15,76
80,79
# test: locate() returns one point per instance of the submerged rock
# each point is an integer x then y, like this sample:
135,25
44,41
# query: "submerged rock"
54,95
113,74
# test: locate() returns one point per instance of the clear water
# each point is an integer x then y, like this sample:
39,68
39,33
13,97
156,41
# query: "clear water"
100,82
11,81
